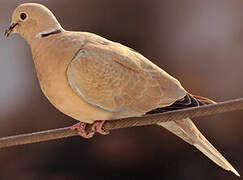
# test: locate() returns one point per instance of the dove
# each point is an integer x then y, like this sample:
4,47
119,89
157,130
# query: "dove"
93,79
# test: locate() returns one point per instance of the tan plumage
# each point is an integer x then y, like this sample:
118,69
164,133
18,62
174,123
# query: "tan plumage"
115,78
187,131
91,78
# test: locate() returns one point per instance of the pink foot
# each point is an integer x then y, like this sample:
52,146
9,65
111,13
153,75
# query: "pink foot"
81,130
98,127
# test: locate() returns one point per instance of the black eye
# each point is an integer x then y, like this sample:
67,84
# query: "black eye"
23,16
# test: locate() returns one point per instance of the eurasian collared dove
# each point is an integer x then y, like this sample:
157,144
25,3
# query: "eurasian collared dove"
92,79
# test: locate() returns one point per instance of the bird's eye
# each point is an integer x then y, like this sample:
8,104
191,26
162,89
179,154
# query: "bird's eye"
23,16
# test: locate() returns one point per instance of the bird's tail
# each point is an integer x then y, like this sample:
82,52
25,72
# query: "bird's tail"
186,130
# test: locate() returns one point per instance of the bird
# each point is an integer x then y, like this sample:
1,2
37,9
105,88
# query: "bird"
93,79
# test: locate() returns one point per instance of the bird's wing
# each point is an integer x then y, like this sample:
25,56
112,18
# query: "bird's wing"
116,78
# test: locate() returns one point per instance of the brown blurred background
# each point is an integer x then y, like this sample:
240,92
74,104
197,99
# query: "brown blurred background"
198,42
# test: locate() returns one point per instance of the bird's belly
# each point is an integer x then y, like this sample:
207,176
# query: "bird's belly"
60,94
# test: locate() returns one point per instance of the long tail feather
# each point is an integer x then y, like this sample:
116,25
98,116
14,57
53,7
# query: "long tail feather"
186,130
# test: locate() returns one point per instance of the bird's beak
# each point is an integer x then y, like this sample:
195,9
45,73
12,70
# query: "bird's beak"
10,29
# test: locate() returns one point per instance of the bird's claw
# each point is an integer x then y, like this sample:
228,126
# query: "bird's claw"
81,127
97,126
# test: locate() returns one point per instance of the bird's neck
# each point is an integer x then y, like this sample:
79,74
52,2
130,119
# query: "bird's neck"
55,48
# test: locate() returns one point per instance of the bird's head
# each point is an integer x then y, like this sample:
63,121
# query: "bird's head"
31,20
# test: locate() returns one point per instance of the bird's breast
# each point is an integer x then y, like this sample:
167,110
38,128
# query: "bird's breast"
51,69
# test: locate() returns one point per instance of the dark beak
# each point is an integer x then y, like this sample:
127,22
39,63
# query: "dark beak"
10,29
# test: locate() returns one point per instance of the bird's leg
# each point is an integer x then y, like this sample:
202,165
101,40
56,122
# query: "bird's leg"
81,130
97,126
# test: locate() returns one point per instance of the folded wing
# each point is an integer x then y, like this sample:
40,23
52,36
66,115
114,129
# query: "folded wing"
118,79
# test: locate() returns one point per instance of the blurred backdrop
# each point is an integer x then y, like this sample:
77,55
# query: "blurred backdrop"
198,42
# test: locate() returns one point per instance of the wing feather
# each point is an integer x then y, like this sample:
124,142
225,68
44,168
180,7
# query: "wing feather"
115,78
